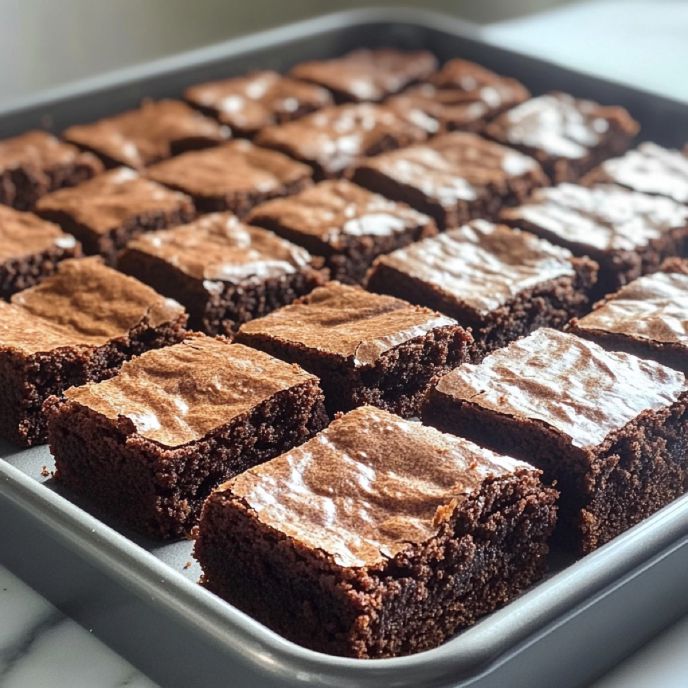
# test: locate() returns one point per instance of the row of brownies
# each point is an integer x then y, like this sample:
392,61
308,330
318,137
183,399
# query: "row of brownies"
223,335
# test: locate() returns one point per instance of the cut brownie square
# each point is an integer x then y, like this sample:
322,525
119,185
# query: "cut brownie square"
332,139
109,210
153,132
249,103
365,348
30,249
235,176
224,272
648,168
648,318
566,135
453,178
149,444
379,537
76,326
500,282
346,224
368,74
610,428
627,233
35,163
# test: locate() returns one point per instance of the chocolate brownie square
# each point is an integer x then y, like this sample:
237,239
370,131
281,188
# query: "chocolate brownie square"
500,282
235,176
386,540
368,74
155,131
249,103
610,428
149,444
566,135
35,163
365,348
453,178
332,139
346,224
76,326
30,249
627,233
223,271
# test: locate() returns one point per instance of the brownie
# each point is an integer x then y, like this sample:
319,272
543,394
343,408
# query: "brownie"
365,348
155,131
500,282
368,74
332,139
224,272
453,178
35,163
104,213
346,224
30,249
149,444
627,233
234,176
249,103
76,326
610,428
566,135
378,537
648,168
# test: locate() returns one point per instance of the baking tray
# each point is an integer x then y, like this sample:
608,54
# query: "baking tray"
141,597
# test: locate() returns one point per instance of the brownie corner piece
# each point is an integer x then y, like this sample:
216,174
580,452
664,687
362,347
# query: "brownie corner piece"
392,562
147,445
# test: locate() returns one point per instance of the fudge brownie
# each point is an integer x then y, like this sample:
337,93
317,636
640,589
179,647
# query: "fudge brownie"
78,325
610,428
249,103
378,537
365,348
30,249
627,233
346,224
500,282
234,176
224,272
566,135
149,444
155,131
368,74
648,168
35,163
107,211
648,318
331,139
453,178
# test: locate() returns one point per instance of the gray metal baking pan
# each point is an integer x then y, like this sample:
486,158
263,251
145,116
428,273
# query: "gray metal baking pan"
142,598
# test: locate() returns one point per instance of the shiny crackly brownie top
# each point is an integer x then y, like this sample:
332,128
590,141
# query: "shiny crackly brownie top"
218,247
482,265
347,322
648,168
335,211
369,486
24,234
569,384
178,394
368,74
603,217
140,137
249,103
84,304
653,308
